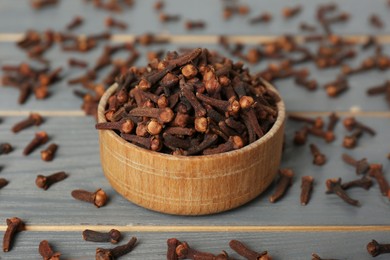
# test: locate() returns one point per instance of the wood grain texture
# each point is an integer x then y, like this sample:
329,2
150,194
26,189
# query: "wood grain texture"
195,185
152,246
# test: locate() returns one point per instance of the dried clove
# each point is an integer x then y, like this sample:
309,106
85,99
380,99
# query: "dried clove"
375,249
351,123
334,186
361,166
376,171
5,148
318,157
47,252
113,236
44,182
172,243
14,225
114,253
76,22
306,189
3,183
39,139
284,182
98,198
249,254
33,119
49,153
350,141
363,182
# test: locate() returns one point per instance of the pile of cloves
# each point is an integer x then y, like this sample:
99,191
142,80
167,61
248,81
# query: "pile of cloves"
191,104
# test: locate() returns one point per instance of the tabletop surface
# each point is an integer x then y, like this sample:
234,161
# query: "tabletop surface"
326,226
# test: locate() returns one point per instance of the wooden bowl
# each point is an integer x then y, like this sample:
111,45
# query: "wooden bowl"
185,185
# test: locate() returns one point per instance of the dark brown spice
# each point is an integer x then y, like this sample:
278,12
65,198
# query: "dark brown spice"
262,18
284,182
5,148
317,257
351,123
40,138
289,12
98,198
350,141
307,27
306,189
334,186
47,252
376,21
364,182
39,4
317,122
184,251
195,24
191,91
49,153
44,182
77,63
14,225
318,157
172,243
114,253
376,171
113,236
3,183
114,23
249,254
362,166
375,249
76,22
300,136
333,120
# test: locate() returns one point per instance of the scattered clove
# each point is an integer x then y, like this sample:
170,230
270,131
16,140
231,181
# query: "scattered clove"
284,182
306,189
114,253
5,148
361,166
39,139
364,182
318,157
375,249
113,236
3,183
334,186
47,252
249,254
49,153
14,225
98,198
33,119
44,182
376,171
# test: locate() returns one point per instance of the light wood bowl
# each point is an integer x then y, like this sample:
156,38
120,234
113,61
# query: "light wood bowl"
196,185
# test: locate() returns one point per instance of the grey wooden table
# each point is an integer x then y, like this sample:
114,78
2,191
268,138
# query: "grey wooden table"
286,229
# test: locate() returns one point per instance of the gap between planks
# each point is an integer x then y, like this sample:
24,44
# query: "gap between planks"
208,39
79,113
77,228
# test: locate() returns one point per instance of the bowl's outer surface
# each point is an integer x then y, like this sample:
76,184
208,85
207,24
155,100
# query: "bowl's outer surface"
190,185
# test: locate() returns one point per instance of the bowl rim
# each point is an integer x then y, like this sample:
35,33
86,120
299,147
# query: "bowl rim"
276,126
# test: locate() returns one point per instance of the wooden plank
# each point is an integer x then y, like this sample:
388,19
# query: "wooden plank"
143,18
79,156
339,245
62,97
